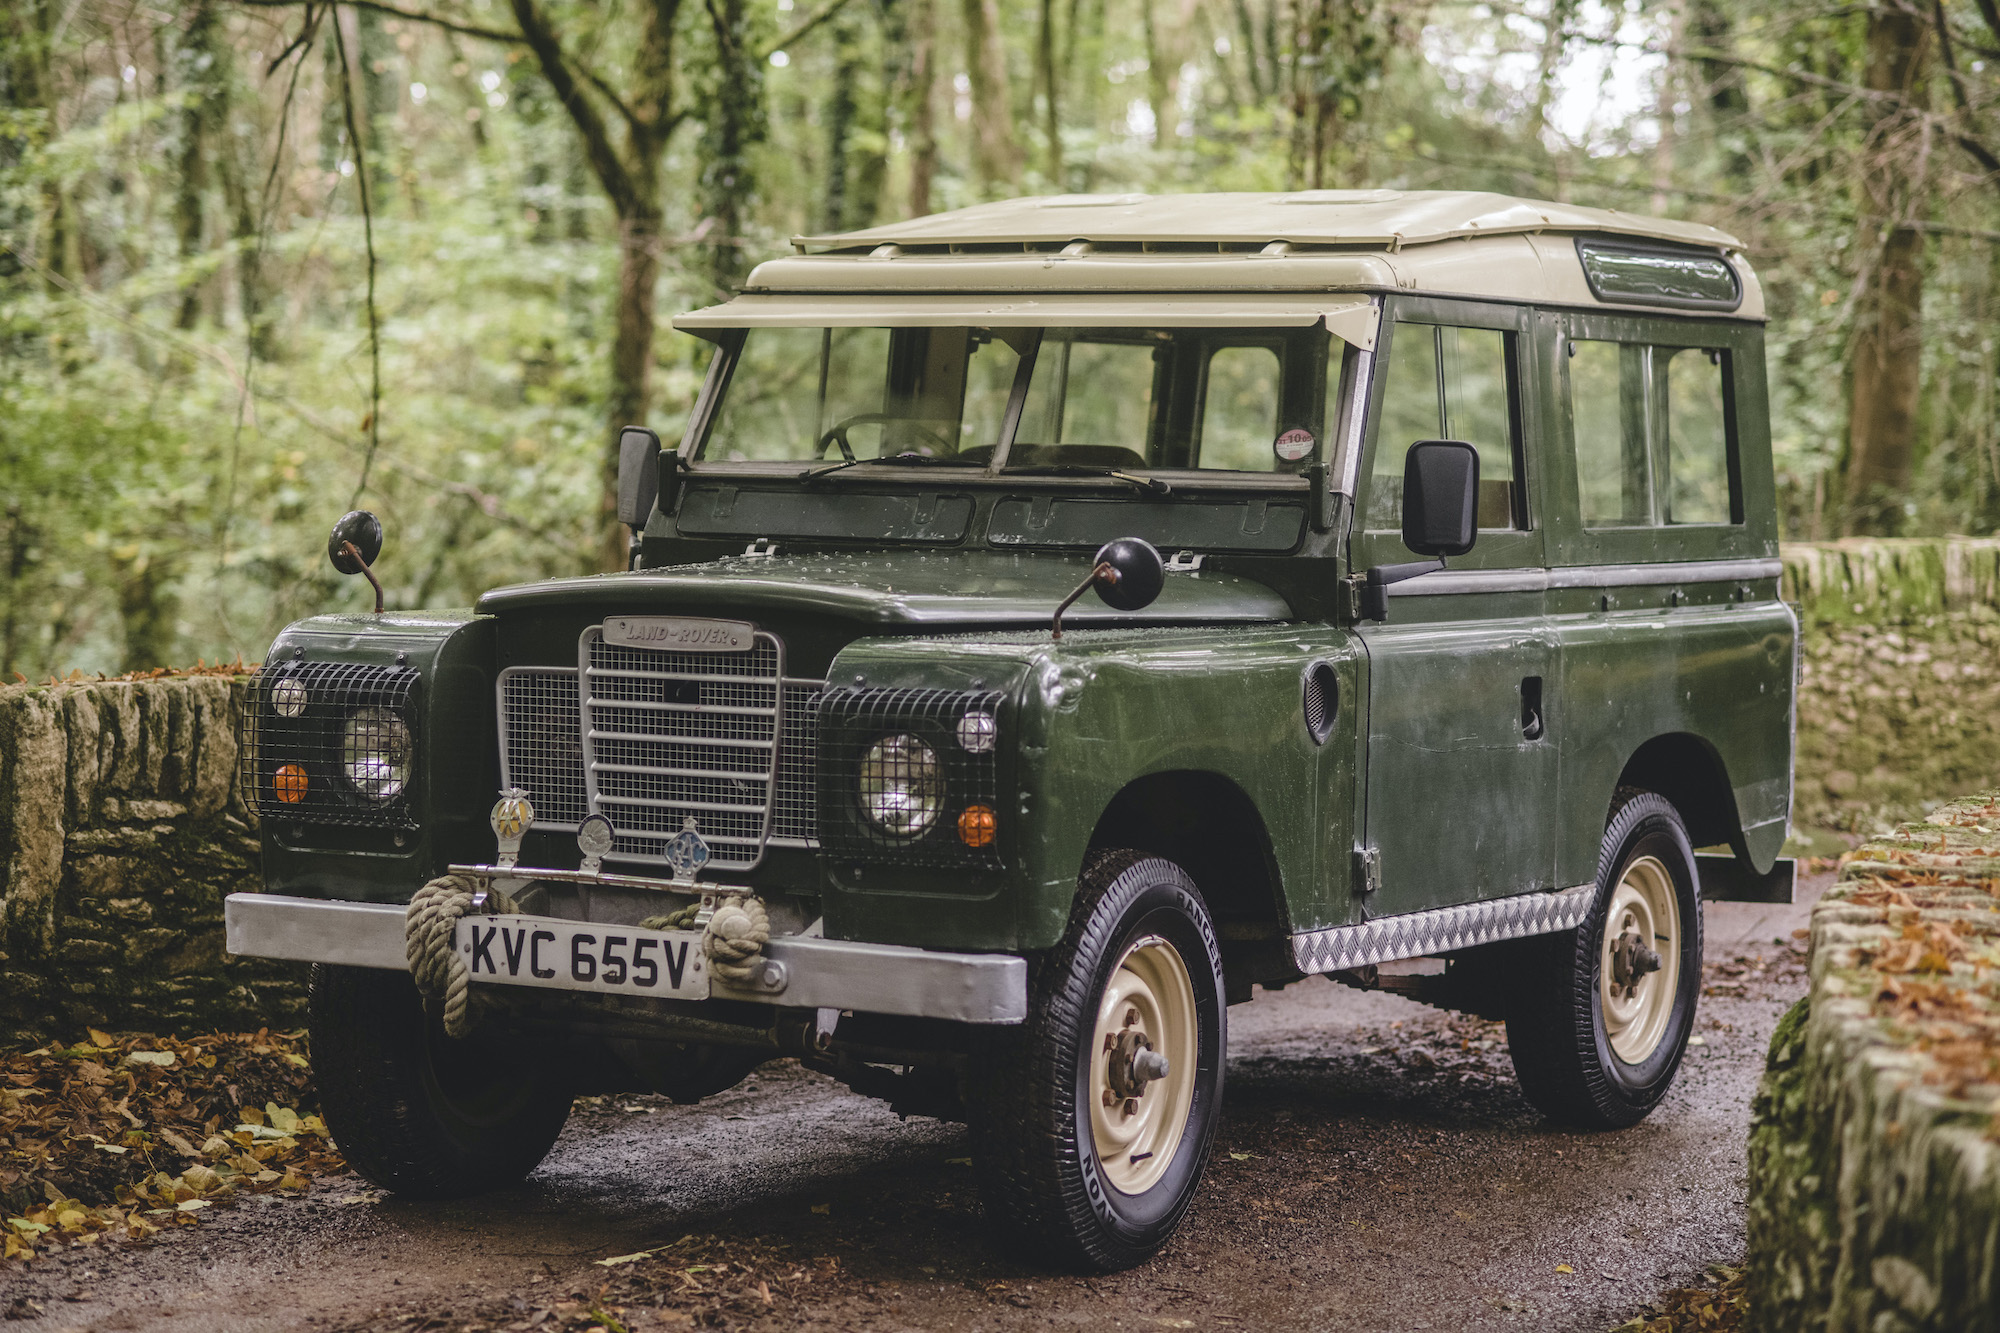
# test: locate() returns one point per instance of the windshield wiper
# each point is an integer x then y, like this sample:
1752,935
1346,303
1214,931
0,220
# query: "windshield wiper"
907,459
1150,485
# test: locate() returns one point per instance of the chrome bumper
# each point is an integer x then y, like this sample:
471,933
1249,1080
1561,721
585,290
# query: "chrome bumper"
819,974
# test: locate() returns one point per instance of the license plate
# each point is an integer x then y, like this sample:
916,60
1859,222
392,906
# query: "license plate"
582,955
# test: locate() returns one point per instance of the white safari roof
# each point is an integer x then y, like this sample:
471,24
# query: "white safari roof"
1388,218
1278,252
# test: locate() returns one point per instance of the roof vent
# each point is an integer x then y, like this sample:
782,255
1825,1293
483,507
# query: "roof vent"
886,252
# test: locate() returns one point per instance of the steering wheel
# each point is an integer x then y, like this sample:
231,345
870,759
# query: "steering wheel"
837,433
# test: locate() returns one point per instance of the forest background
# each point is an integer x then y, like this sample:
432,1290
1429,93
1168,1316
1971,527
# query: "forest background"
262,261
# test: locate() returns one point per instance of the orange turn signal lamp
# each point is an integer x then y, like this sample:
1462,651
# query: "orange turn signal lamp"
290,783
978,826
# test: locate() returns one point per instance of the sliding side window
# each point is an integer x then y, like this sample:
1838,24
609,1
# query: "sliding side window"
1652,434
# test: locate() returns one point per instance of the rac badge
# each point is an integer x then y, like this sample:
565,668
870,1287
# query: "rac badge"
687,852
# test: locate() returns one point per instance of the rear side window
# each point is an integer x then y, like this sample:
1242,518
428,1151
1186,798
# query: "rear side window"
1652,434
1448,383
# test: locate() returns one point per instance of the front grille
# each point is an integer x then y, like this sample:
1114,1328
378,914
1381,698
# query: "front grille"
541,743
348,719
541,732
671,735
792,809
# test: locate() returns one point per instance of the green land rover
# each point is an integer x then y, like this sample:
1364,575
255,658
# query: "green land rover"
1059,618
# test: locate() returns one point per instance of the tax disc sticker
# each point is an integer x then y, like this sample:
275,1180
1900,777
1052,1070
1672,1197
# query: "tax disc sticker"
1294,445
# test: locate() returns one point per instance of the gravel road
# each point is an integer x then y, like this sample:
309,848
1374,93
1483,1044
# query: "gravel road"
1377,1169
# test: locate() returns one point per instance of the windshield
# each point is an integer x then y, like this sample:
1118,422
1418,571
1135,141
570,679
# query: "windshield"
1236,400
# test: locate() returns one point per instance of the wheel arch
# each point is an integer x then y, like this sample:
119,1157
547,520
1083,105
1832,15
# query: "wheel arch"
1207,824
1690,774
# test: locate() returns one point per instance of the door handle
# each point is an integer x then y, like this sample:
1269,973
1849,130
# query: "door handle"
1531,708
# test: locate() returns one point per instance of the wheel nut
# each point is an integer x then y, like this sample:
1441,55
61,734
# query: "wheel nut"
1110,1098
1131,1106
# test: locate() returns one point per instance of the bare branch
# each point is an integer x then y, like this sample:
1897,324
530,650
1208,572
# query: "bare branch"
597,146
799,33
413,16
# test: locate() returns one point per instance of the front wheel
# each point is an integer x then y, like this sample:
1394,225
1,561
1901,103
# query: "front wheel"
1600,1026
1093,1121
416,1111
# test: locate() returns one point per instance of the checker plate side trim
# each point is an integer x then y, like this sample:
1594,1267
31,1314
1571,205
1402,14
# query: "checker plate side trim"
1441,930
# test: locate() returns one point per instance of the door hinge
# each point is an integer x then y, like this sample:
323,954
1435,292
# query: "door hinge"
1351,595
761,549
1368,869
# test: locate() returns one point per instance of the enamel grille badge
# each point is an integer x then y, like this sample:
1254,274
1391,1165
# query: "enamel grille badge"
512,814
687,852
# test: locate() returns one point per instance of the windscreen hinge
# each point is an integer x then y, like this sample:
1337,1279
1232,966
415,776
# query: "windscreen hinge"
761,549
1184,562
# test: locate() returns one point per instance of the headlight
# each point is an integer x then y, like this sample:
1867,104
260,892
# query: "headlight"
375,752
902,785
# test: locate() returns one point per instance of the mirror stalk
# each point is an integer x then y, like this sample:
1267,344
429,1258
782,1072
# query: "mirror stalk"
1375,584
1104,572
354,554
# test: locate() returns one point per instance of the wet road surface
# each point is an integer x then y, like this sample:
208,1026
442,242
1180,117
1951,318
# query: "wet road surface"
1376,1169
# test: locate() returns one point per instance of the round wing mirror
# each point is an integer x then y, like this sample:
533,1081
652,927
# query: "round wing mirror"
361,529
1128,574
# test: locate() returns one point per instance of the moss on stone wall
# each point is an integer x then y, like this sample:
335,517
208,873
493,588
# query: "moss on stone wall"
121,831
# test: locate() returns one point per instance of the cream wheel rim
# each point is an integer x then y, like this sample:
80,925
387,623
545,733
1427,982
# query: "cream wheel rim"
1139,1115
1638,976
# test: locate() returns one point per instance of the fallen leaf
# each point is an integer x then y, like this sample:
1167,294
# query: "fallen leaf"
822,1208
103,1039
160,1058
1564,1268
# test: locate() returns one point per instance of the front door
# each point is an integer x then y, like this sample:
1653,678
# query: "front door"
1461,763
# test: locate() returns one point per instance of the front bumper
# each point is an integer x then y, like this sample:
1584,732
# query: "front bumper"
819,974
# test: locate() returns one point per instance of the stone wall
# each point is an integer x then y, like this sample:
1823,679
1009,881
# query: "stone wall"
1875,1143
121,831
1899,695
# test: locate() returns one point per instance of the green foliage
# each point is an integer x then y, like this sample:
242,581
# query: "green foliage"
184,359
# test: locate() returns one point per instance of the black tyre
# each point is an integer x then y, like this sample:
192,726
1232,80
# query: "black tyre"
1599,1028
1093,1121
418,1112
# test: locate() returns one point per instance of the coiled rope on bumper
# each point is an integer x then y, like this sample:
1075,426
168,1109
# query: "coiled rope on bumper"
437,967
735,935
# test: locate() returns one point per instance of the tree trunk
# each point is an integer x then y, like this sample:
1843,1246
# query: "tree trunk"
1159,89
199,59
631,363
923,105
996,155
1047,74
735,125
838,117
1885,358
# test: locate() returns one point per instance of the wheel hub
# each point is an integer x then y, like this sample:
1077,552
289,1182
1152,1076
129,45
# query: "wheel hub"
1132,1062
1639,969
1142,1065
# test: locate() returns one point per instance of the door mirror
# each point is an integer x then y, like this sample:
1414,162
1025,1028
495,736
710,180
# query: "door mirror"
361,531
1440,497
638,475
1135,574
1127,574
